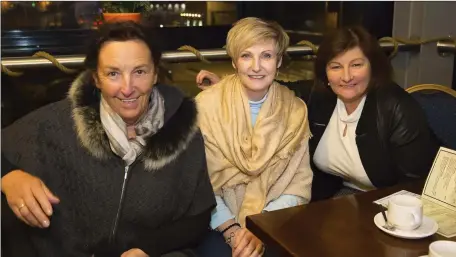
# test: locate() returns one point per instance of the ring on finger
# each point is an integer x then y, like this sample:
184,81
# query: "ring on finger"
262,249
21,206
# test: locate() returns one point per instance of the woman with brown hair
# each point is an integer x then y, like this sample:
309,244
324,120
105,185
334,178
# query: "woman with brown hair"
367,131
123,154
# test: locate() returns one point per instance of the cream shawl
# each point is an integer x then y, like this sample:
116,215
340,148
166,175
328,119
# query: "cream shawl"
251,166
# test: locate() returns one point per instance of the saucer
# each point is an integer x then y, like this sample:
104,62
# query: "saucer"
428,227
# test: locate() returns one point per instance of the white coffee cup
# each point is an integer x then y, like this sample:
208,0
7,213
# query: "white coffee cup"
405,212
442,249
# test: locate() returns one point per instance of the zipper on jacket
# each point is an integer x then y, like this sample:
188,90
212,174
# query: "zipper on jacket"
119,208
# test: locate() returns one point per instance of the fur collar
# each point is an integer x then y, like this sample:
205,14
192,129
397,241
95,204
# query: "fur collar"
161,149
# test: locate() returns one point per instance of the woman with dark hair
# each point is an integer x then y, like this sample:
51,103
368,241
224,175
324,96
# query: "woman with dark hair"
123,154
367,131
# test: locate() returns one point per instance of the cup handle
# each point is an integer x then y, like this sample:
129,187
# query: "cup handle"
416,219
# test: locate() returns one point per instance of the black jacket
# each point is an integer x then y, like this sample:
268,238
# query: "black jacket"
168,196
394,140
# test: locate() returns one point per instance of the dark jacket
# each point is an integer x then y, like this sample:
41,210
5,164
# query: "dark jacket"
394,140
7,166
168,196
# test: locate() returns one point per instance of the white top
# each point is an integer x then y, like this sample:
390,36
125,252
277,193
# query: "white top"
338,154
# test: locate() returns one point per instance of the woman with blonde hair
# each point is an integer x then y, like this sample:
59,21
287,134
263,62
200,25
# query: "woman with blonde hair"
256,138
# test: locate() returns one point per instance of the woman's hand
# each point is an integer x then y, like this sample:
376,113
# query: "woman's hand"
135,252
29,198
208,77
246,244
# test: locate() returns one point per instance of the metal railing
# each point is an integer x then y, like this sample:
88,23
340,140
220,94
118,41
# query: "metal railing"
445,47
209,54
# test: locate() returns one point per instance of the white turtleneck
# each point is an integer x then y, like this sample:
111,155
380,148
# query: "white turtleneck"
337,153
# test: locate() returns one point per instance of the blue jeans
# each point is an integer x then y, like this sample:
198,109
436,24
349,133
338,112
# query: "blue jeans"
214,246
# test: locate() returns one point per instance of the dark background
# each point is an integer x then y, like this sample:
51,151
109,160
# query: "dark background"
23,34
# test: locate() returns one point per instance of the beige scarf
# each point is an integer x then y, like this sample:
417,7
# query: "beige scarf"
251,166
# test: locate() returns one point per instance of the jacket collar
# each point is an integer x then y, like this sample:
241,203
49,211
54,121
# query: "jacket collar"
324,101
368,120
161,148
368,135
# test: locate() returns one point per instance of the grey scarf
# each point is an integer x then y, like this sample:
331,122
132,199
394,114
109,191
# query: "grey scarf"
116,129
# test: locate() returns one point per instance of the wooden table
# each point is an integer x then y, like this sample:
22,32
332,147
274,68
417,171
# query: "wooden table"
342,227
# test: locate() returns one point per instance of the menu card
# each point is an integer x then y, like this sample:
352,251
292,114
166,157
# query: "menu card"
439,193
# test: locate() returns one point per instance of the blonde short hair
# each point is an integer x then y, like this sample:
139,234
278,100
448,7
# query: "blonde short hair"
249,31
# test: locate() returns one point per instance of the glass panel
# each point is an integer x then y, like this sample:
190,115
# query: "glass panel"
40,15
302,16
62,28
307,16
